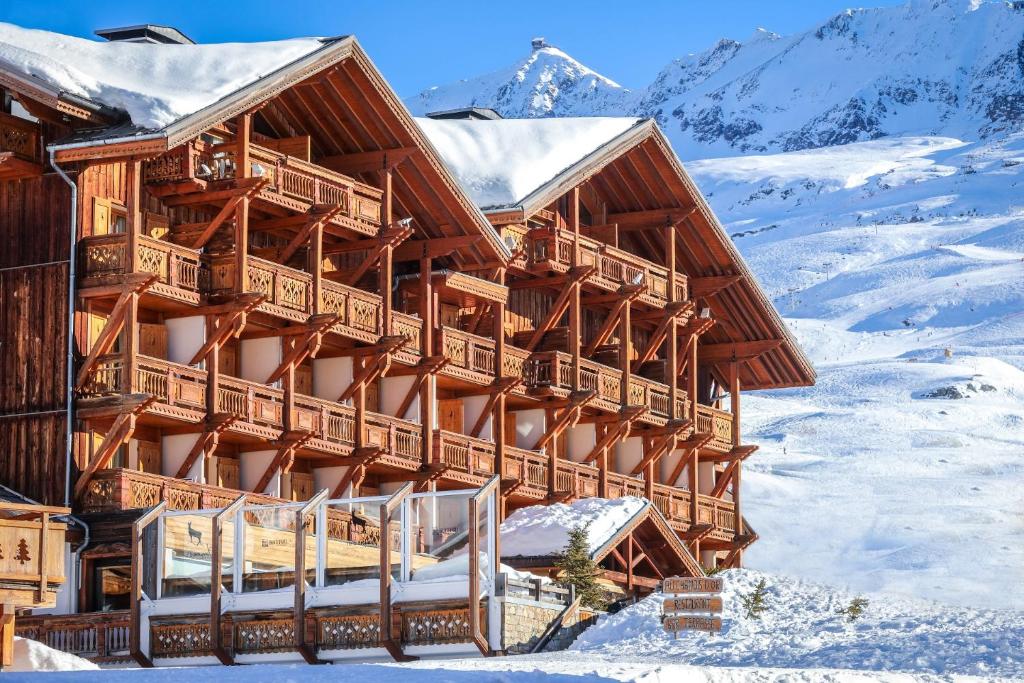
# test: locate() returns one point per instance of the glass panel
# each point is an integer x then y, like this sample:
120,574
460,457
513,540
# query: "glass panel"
227,552
187,554
353,542
438,535
269,550
112,584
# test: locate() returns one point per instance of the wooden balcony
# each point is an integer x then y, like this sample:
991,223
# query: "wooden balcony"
471,461
102,637
20,148
554,369
551,250
576,480
471,358
180,393
530,469
295,184
718,423
123,489
674,504
182,273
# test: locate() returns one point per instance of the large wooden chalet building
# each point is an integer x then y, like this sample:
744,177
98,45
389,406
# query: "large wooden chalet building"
280,282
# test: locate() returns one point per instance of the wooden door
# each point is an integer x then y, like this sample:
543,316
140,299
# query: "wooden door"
449,415
100,216
228,360
153,340
302,486
510,428
304,381
149,457
227,473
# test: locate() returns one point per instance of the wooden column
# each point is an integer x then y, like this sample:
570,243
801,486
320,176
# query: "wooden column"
575,314
6,634
552,451
498,414
625,351
315,265
428,390
385,270
243,169
734,400
673,339
692,474
289,388
602,462
130,347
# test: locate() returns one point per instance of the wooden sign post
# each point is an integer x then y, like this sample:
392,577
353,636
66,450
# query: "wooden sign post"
697,609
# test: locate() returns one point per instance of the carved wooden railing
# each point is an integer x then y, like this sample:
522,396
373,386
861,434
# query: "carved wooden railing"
174,265
575,478
674,504
620,485
554,368
410,327
655,396
613,267
401,438
464,454
290,177
123,489
529,467
20,137
359,310
466,351
718,423
100,636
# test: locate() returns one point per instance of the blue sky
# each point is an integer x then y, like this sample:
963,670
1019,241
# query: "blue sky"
418,44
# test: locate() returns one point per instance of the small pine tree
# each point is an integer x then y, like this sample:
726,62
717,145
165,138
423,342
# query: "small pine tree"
855,610
754,602
579,570
711,571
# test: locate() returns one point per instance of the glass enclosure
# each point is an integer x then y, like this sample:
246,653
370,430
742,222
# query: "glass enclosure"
428,536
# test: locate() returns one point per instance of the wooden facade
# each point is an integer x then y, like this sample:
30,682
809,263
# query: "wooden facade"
290,292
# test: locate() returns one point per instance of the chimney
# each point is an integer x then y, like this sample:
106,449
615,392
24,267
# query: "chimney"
145,33
538,43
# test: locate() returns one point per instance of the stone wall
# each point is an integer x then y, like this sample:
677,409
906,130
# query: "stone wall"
525,621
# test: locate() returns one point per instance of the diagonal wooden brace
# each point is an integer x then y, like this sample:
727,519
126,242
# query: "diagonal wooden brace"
119,432
307,346
380,361
228,324
207,441
112,328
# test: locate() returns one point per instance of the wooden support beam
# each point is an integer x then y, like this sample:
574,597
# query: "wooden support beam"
119,432
559,306
638,220
315,219
722,482
388,241
737,351
284,457
434,248
578,401
112,328
206,442
659,448
366,162
629,294
307,346
379,362
671,314
501,387
701,287
619,430
229,323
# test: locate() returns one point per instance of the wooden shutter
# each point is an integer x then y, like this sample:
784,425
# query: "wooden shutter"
304,381
100,216
228,360
153,340
449,414
149,457
227,473
302,486
510,428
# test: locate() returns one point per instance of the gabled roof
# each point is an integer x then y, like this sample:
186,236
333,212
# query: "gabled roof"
168,94
505,163
536,536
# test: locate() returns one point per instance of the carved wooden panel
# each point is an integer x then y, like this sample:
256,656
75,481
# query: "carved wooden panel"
353,631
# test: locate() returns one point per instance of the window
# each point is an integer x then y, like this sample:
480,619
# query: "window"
108,217
111,586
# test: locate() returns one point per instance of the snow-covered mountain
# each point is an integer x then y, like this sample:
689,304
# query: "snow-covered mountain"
871,171
937,67
547,83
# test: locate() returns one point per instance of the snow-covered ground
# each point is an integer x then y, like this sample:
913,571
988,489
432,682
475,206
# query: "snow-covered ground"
799,637
902,469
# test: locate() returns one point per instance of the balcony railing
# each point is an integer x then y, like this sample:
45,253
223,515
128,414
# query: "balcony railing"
553,248
410,327
20,137
99,636
555,368
292,180
470,355
674,504
576,479
718,423
464,454
620,485
528,467
123,489
256,406
174,265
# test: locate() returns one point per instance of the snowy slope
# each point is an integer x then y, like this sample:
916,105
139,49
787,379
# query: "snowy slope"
936,67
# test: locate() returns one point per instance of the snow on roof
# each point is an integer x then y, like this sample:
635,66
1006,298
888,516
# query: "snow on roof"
542,530
155,84
499,163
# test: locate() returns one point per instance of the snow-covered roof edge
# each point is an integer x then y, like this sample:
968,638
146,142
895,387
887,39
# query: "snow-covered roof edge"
569,176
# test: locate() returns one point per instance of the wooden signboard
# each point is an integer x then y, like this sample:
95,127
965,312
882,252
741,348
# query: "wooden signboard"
693,622
693,611
692,584
693,604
